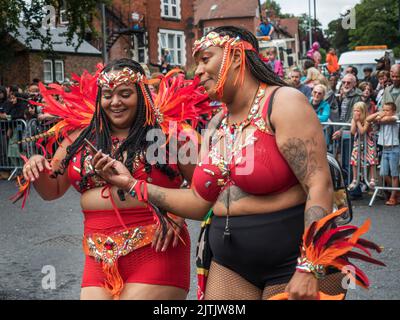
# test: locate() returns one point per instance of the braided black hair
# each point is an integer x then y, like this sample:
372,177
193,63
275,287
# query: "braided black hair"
257,67
134,145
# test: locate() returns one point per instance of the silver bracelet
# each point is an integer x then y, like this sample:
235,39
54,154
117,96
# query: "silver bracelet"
133,186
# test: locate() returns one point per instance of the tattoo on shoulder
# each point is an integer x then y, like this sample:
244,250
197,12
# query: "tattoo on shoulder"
314,213
302,158
235,194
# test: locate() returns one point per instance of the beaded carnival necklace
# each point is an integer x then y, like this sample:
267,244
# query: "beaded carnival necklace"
231,133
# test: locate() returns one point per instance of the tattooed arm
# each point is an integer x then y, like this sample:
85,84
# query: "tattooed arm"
300,139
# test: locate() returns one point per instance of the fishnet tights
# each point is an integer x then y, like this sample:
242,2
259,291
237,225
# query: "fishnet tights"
225,284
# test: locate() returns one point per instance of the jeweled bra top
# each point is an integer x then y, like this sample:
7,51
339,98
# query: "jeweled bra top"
271,173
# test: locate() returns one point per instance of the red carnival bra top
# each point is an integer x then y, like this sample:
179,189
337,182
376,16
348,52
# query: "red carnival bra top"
76,172
268,173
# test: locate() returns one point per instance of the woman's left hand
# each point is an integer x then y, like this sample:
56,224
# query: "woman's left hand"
172,235
303,286
112,170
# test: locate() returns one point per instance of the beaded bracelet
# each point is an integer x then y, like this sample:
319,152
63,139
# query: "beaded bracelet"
304,265
132,191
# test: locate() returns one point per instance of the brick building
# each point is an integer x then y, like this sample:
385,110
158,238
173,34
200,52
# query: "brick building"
214,13
142,29
31,62
210,14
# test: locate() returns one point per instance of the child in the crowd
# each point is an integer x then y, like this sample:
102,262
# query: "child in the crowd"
359,127
389,140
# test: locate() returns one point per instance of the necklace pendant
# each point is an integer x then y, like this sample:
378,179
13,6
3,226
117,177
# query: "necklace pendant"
227,236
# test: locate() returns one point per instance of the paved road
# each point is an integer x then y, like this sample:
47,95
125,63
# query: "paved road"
49,234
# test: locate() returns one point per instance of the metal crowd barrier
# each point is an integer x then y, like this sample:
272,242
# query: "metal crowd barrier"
12,131
362,164
35,127
10,152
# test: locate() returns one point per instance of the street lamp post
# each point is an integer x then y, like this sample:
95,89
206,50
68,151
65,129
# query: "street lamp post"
309,22
104,32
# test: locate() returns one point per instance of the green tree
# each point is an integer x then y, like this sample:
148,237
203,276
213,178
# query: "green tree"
376,24
273,7
338,36
30,14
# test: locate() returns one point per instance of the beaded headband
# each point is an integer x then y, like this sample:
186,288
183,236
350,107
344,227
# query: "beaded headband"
111,80
230,46
114,79
214,39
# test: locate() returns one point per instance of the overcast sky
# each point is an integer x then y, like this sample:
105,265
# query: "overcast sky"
327,10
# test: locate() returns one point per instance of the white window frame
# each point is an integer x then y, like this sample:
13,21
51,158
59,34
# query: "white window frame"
63,12
170,5
62,69
175,49
136,49
53,71
51,74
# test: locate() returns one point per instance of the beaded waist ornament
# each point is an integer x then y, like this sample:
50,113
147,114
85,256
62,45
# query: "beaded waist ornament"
108,248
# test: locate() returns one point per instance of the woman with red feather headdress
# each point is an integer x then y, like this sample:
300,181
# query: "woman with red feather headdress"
128,245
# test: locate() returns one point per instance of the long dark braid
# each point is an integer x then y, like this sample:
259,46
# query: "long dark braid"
134,145
257,67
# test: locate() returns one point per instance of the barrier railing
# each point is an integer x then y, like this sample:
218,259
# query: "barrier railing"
10,152
362,168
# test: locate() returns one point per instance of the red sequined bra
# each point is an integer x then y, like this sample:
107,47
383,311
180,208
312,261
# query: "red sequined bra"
155,176
264,172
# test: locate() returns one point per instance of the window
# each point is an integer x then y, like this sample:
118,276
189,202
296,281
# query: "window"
174,41
139,50
63,13
48,71
53,70
59,71
171,9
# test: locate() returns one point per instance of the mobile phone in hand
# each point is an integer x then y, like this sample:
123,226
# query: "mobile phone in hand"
91,146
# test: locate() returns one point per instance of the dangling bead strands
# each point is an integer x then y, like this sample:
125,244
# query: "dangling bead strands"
231,46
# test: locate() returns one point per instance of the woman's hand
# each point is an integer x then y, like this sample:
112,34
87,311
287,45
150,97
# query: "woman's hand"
172,234
112,170
36,165
303,286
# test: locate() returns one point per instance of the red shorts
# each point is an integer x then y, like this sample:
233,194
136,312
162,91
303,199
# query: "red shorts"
143,265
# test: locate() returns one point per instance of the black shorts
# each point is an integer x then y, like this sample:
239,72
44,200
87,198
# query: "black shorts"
263,248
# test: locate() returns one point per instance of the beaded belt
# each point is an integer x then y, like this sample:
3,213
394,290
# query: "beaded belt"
108,248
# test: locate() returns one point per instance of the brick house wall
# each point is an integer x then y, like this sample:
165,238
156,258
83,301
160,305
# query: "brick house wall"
29,65
151,9
249,23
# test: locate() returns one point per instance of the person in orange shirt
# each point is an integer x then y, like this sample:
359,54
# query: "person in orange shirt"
332,61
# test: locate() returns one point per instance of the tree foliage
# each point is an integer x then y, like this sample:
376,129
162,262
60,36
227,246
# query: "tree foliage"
338,36
31,14
376,24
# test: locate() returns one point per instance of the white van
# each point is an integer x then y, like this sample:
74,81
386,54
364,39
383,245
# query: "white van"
364,57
